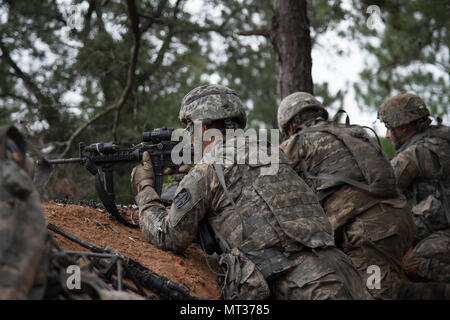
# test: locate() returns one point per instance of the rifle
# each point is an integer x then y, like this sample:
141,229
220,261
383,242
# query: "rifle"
105,154
123,266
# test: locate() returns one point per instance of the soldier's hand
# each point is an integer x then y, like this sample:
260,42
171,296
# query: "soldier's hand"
143,175
185,168
182,171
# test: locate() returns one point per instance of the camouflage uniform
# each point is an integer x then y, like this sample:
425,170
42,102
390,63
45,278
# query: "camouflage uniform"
422,167
275,238
372,230
28,270
22,225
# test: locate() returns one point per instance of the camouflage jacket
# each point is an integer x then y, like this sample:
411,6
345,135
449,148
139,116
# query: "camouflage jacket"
23,253
422,167
273,217
324,154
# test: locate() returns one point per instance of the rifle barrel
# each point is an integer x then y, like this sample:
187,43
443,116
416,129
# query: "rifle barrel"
68,160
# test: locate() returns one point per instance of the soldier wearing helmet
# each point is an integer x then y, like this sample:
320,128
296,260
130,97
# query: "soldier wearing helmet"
22,226
297,110
28,270
273,238
356,186
403,116
422,168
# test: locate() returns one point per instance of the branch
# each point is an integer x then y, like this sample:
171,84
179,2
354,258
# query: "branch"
162,50
161,53
134,19
156,15
87,19
116,125
182,26
27,101
29,84
137,127
257,32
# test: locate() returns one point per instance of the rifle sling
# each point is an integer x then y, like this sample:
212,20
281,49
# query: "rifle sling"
109,202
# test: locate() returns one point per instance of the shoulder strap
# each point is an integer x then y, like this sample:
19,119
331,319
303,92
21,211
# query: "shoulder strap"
419,158
336,117
220,175
374,132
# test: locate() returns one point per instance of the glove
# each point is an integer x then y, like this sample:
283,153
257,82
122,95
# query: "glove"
185,168
143,175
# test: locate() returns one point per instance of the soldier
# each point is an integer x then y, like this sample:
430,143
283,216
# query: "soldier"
356,186
274,238
23,254
28,270
422,167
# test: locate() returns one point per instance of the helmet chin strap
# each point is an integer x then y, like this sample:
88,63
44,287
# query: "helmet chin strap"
398,140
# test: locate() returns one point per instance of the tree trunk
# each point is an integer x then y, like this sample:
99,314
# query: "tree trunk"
291,42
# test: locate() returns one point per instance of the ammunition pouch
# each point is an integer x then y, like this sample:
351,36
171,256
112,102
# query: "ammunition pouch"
242,279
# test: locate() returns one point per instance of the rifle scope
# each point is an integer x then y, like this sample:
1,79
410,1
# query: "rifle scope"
158,135
102,147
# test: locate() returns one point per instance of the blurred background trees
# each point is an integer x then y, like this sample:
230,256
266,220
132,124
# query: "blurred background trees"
63,85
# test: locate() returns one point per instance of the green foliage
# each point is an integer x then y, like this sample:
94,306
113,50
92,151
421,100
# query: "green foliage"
387,147
53,80
411,52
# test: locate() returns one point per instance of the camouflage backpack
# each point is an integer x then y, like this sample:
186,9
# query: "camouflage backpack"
379,176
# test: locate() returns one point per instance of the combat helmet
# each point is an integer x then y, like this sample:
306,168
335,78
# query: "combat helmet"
402,109
210,103
295,103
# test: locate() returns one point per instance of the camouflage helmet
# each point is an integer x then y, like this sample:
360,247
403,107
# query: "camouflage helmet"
212,102
402,109
295,103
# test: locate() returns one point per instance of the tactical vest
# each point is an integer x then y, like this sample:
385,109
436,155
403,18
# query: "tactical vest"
347,156
434,166
281,206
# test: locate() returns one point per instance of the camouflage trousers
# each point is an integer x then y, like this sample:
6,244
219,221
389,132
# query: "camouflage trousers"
323,274
430,259
378,238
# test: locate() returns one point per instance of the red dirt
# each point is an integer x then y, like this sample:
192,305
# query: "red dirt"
189,269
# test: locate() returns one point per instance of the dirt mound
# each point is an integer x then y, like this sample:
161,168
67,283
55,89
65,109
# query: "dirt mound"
92,225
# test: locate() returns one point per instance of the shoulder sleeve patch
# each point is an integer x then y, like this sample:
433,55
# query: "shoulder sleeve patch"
191,191
181,198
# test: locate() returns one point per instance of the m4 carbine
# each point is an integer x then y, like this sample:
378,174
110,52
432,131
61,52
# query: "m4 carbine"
105,154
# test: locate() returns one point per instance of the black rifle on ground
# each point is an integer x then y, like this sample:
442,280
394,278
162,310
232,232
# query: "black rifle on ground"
106,154
125,267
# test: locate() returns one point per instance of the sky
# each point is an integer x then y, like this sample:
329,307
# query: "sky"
340,71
